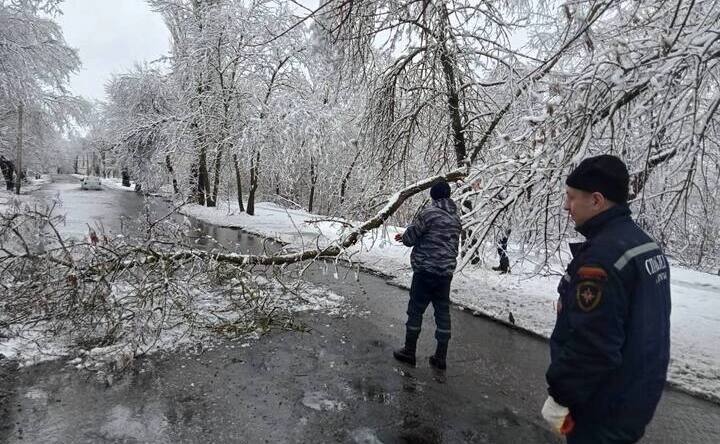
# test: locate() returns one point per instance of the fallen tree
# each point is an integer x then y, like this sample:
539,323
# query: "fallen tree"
114,297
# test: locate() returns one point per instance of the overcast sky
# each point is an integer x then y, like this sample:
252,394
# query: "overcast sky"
110,35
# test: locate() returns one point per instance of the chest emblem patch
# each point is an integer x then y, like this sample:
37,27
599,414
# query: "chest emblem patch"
588,296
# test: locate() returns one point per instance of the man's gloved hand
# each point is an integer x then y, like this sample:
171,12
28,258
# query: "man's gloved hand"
557,416
398,237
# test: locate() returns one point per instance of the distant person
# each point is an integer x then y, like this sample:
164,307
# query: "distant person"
502,244
611,344
434,236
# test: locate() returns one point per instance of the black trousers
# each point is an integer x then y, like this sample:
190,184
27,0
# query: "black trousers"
428,288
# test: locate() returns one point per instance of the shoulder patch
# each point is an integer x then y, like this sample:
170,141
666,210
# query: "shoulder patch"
589,294
592,272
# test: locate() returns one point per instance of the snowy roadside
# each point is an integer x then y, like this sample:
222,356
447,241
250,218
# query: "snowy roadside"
7,197
695,360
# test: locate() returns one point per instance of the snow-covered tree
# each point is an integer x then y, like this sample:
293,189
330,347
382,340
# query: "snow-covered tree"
35,69
525,90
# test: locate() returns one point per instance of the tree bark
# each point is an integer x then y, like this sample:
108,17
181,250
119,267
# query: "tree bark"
202,189
313,181
346,178
447,60
18,155
255,163
239,183
216,180
169,166
254,166
202,194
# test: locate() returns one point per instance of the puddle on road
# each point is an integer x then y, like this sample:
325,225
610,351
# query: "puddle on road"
320,401
364,436
124,423
420,434
37,394
373,391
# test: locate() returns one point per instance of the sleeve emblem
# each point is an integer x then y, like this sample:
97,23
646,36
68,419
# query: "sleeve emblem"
589,294
592,272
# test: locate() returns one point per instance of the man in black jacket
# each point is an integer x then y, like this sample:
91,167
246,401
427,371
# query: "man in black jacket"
434,236
611,344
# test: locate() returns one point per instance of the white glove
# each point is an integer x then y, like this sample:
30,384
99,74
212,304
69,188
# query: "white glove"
557,416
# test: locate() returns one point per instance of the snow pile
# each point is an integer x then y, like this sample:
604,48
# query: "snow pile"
695,362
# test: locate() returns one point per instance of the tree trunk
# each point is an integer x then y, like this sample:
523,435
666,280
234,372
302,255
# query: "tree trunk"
346,178
313,181
239,183
193,180
254,166
18,155
216,180
447,60
169,166
75,164
202,190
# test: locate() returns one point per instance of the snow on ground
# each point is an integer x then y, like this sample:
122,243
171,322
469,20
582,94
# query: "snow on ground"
695,361
116,184
7,197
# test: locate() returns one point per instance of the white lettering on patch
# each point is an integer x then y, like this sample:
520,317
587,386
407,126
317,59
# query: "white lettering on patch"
656,264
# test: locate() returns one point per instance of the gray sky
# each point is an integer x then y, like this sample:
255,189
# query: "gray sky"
110,35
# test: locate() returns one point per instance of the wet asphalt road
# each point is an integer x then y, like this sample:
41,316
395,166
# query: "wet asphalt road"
335,383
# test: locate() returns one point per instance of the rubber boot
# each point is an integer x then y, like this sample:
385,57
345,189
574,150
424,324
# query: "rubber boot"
404,355
439,359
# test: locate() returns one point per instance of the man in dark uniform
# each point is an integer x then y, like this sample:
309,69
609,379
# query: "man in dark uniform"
434,236
611,344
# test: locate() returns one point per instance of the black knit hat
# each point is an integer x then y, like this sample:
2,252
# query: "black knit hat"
440,191
605,174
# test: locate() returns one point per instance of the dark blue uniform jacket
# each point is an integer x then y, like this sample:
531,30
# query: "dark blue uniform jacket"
611,344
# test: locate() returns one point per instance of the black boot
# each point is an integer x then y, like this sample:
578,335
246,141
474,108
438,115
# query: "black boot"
437,364
438,360
405,355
